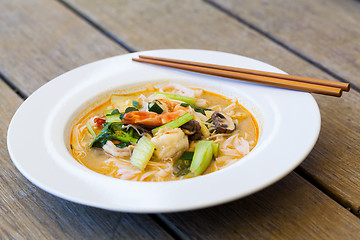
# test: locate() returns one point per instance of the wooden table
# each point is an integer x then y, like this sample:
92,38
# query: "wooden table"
41,39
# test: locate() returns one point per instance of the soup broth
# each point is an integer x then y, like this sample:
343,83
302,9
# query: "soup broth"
161,134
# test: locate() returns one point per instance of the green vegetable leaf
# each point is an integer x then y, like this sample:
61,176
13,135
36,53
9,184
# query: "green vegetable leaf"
181,166
91,130
112,131
203,155
155,107
131,109
187,156
115,111
182,98
136,104
113,118
196,108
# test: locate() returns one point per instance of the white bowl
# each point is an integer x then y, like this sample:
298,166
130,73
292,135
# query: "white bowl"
38,136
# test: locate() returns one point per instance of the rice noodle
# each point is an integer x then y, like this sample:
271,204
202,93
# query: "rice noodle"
179,89
115,151
115,161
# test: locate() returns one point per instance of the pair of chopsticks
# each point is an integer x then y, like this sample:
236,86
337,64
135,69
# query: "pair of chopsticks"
267,78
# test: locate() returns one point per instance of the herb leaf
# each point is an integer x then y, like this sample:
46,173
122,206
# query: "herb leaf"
112,131
136,104
155,107
181,166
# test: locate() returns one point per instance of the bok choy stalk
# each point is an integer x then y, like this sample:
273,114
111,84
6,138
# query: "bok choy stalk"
203,155
216,149
175,123
189,100
142,153
91,130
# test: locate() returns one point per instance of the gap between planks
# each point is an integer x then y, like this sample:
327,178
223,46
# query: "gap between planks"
166,226
17,90
98,27
354,87
280,43
345,204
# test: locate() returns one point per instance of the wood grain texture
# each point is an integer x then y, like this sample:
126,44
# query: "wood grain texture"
333,163
291,208
41,39
27,212
326,31
273,213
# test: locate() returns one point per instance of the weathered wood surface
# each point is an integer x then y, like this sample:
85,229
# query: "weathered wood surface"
325,31
333,163
30,56
270,214
41,39
27,212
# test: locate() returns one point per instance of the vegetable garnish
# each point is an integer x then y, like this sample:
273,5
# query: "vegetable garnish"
187,156
112,115
136,104
108,111
175,123
203,155
131,109
155,107
178,97
173,137
112,131
91,130
113,118
216,148
182,165
142,153
196,108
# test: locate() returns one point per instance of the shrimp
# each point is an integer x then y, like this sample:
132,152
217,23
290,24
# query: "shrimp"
171,106
170,144
150,119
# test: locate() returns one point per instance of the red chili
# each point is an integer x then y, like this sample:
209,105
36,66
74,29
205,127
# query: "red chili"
100,121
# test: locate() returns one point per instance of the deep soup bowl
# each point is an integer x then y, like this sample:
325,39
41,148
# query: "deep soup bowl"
289,125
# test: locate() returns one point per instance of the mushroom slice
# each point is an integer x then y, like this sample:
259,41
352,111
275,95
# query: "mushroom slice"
193,129
223,123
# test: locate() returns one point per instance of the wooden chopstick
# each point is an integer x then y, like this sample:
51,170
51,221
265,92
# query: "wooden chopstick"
343,86
277,80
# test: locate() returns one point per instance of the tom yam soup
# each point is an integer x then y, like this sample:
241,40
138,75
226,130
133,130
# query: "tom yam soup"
161,134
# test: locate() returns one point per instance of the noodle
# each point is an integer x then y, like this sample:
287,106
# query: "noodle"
112,157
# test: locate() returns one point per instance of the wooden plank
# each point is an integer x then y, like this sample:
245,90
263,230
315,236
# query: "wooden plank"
27,212
325,31
289,209
333,163
41,39
303,208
